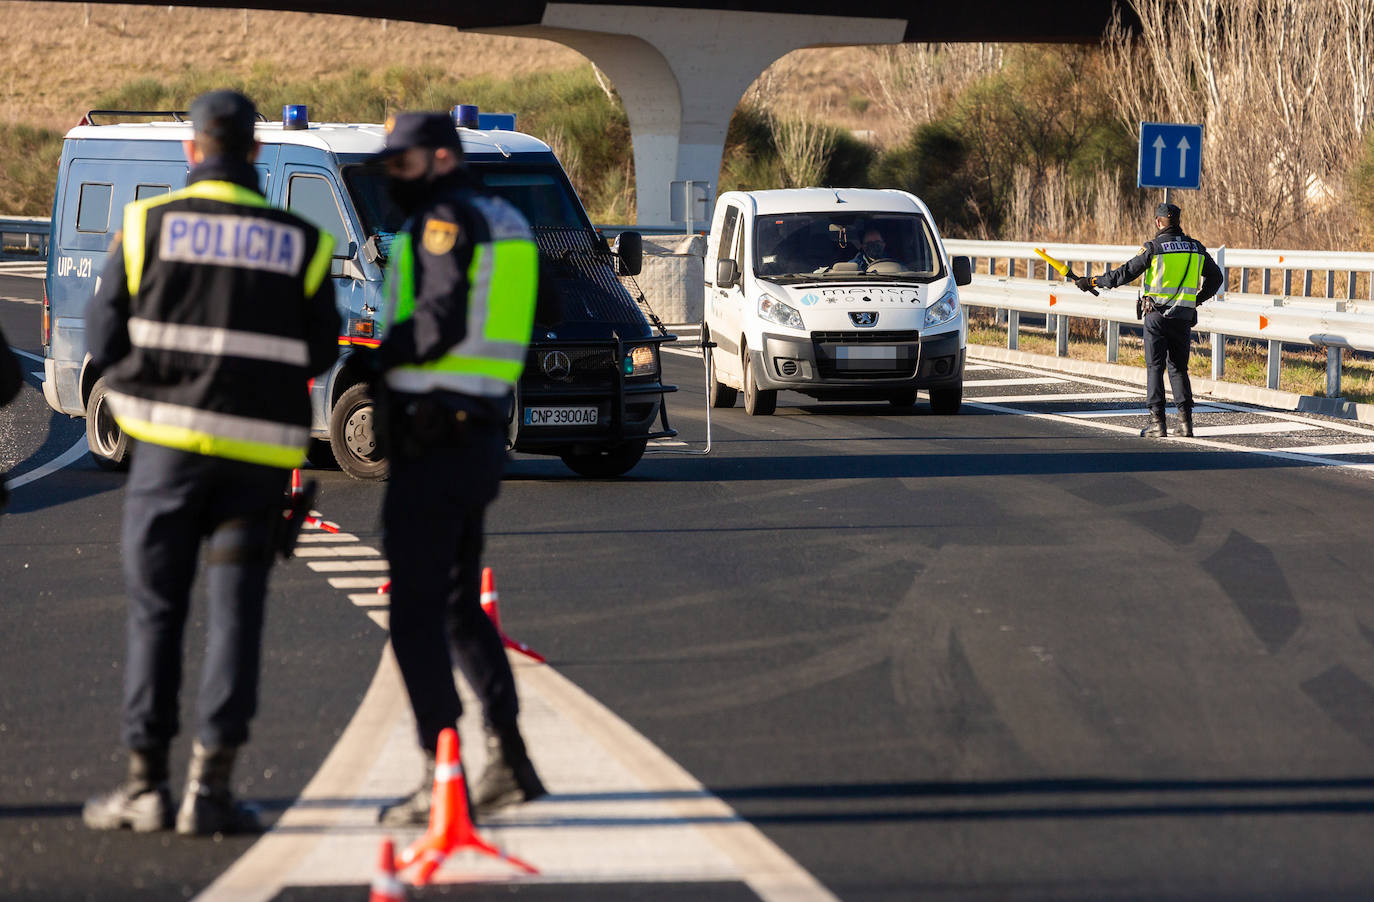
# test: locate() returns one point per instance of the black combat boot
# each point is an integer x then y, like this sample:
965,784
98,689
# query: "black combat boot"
142,803
1157,428
509,776
209,806
413,810
1185,422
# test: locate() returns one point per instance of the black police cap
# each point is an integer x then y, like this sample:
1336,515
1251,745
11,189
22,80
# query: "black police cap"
431,130
1167,211
226,115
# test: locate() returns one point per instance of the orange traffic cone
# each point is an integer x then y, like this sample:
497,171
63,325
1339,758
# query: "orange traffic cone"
450,824
384,588
491,605
386,886
295,483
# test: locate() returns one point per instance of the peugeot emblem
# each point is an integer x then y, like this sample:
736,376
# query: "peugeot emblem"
557,366
862,318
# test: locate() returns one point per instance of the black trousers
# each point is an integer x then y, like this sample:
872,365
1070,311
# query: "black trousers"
432,533
175,500
1168,340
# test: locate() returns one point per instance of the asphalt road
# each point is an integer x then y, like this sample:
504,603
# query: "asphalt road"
977,657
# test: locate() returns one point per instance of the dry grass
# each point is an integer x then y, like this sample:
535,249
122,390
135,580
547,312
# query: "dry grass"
52,64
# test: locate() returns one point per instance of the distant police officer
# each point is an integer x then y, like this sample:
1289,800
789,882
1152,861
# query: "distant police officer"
209,321
1179,275
461,283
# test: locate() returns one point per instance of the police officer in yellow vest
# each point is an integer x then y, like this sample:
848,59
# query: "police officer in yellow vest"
1179,275
462,278
214,311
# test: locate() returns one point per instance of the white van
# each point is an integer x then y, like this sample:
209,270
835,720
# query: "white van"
837,293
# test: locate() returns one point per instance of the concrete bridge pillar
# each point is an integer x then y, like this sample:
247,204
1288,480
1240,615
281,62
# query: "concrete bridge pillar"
681,73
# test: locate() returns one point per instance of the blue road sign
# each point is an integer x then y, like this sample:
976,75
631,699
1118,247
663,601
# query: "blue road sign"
1170,155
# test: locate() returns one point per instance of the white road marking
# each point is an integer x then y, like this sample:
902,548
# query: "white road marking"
1253,428
346,566
1356,448
358,582
1127,412
70,456
368,599
620,809
320,550
989,383
26,269
327,537
1032,399
682,352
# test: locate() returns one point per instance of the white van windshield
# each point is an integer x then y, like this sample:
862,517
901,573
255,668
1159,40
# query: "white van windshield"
791,247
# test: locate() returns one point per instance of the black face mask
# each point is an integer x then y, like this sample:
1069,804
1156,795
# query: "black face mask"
410,194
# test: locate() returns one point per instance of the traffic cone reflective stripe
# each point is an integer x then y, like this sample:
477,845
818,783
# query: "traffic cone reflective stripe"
450,824
386,886
491,605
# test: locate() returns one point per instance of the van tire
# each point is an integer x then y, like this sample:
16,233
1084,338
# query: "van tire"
947,401
353,435
757,402
718,394
108,443
604,464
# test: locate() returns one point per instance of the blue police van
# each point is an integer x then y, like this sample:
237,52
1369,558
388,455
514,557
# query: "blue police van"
592,391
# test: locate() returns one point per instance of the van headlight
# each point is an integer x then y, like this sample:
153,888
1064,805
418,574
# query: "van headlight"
775,311
642,361
943,310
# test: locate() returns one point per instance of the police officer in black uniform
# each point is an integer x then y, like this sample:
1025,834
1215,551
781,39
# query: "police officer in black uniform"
1179,275
462,279
213,313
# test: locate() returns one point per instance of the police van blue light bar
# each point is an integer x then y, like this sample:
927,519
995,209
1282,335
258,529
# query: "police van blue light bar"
467,115
293,117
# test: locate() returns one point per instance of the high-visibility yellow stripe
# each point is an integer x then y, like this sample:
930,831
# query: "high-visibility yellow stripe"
318,268
186,439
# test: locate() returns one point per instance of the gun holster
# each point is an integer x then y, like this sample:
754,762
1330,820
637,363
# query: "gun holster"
293,519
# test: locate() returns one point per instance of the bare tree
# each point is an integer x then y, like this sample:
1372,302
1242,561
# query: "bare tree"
917,81
1282,88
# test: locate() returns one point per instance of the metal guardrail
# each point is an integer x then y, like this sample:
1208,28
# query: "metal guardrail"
1334,323
31,227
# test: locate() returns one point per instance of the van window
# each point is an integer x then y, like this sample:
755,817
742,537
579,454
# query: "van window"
93,212
144,191
727,233
313,198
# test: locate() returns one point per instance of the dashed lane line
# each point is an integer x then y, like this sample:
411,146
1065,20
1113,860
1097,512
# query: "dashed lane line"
1353,448
1253,428
345,566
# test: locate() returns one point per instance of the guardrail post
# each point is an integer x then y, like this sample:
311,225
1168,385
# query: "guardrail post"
1061,337
1013,326
1218,356
1333,372
1275,361
1113,340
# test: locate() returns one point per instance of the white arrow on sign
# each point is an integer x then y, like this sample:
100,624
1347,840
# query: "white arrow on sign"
1159,153
1183,147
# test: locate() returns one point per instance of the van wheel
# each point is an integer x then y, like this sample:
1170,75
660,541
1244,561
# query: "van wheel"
613,461
903,399
947,401
757,401
108,443
353,435
718,394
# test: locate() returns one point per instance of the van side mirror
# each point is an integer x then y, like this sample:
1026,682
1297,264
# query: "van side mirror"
727,273
372,251
963,270
629,248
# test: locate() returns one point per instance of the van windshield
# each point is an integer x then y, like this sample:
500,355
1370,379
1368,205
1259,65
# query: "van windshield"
540,192
794,247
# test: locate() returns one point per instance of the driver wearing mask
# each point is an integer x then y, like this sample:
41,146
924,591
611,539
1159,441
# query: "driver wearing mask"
873,249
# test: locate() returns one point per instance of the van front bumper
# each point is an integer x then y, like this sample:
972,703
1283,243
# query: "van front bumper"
855,364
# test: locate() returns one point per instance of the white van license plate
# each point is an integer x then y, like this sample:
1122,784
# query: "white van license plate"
560,416
859,357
